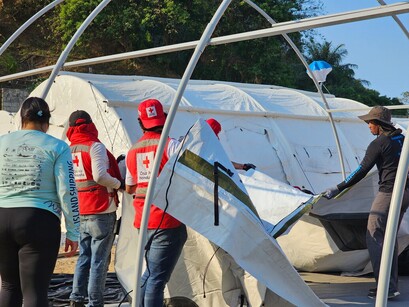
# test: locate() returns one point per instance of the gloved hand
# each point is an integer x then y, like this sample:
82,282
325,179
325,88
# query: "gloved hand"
122,186
331,192
247,166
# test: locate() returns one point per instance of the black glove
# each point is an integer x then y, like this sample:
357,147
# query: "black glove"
247,166
122,186
331,192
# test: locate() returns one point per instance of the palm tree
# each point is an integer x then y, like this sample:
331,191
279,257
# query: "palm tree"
341,81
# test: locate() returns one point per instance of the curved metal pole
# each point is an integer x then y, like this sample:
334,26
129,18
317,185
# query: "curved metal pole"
392,225
280,28
394,210
398,21
67,50
204,40
27,24
316,83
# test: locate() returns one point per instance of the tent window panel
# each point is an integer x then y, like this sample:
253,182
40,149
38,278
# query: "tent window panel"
319,159
252,146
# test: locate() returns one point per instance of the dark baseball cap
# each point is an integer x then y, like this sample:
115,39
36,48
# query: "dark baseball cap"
79,117
379,113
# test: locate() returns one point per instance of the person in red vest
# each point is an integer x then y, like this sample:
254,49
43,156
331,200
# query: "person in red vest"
97,178
166,235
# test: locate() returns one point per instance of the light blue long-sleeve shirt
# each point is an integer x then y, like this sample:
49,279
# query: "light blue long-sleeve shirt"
36,171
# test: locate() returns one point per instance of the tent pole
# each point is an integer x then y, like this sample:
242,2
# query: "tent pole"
280,28
317,85
392,225
203,42
398,21
27,24
70,45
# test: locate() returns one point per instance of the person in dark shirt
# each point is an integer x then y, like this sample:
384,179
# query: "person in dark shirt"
384,152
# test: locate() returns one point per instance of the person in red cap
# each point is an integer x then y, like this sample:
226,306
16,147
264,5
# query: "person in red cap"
166,235
97,178
217,127
384,152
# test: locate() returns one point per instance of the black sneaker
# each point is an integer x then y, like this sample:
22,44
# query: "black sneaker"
76,304
373,290
391,294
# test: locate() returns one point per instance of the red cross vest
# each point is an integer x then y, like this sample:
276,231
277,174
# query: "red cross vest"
139,162
93,197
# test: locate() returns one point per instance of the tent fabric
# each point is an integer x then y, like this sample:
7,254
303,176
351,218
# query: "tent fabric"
7,122
279,205
284,132
188,179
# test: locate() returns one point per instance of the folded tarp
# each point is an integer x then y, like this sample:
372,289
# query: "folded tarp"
186,188
278,204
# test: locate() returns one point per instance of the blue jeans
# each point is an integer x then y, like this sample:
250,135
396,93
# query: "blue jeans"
96,239
162,257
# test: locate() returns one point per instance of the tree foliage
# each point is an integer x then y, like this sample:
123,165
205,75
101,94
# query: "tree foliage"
129,25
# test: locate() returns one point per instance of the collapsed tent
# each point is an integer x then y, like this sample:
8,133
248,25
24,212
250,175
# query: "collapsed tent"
284,132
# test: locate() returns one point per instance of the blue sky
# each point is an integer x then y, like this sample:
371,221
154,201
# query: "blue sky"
377,46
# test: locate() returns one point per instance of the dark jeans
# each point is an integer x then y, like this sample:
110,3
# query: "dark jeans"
162,257
375,235
29,243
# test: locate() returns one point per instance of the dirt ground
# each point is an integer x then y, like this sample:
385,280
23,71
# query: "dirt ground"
66,265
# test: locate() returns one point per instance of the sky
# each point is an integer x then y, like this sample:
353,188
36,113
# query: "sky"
378,46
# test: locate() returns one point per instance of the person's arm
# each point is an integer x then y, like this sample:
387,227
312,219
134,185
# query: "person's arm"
130,184
371,155
67,192
245,166
368,162
99,165
173,146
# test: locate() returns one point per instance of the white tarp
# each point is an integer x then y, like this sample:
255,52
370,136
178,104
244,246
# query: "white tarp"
284,132
186,189
279,205
6,122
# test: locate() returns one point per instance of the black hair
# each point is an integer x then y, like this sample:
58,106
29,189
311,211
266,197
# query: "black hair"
384,126
35,109
153,129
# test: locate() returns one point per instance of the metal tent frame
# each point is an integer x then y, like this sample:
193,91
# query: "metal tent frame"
276,29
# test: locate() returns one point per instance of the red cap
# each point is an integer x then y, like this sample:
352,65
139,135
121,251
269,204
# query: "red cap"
215,125
151,113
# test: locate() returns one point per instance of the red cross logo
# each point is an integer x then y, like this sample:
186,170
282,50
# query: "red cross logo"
76,161
146,162
151,111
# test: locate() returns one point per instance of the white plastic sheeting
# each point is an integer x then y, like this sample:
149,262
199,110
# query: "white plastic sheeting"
7,123
185,189
284,132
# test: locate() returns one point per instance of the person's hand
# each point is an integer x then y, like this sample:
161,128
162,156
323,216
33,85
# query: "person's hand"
122,186
331,192
70,247
247,166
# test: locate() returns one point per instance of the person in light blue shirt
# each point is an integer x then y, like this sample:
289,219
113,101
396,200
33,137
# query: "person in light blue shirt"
37,187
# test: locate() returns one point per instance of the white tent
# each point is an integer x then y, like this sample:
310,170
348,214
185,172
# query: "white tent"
284,132
7,123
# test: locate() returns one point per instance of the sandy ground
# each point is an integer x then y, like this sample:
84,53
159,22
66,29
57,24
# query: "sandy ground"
66,265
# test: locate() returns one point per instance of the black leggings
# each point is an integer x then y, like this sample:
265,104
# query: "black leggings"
29,244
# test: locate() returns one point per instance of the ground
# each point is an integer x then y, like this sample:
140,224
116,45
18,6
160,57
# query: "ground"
66,265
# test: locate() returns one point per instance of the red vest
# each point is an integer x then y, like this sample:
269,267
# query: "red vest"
93,197
139,162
